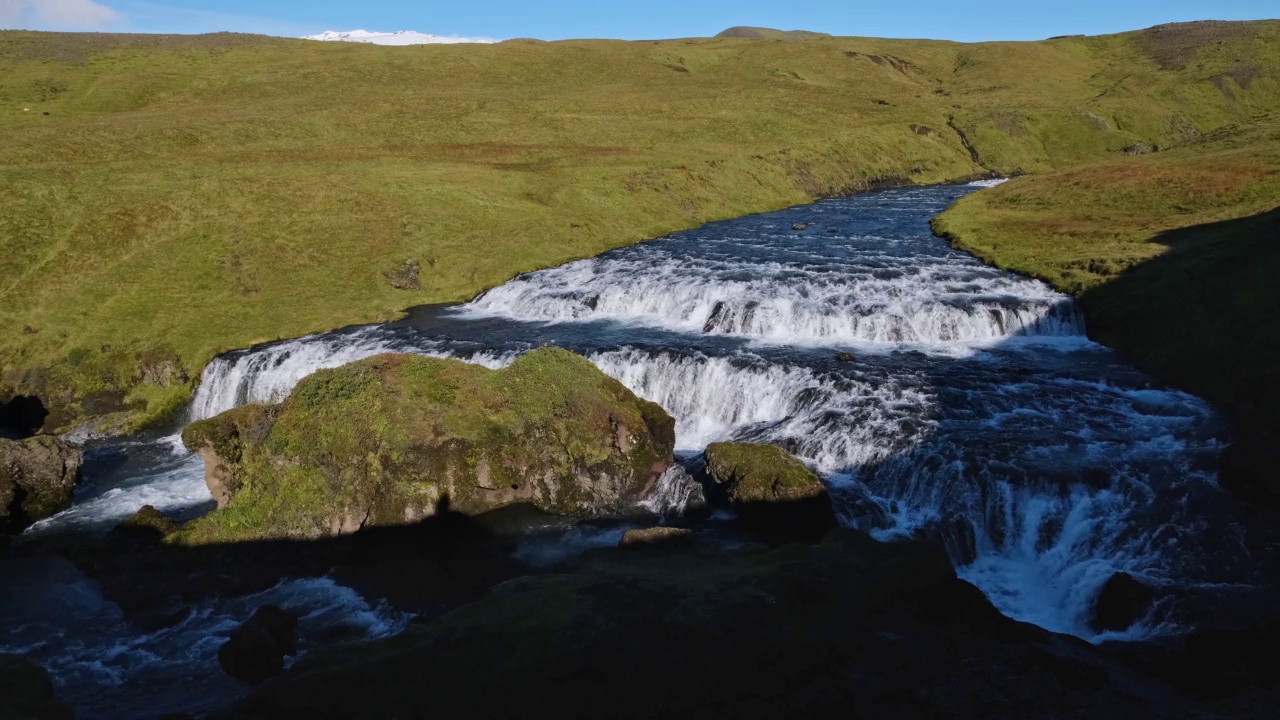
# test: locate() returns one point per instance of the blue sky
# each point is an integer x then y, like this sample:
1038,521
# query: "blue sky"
558,19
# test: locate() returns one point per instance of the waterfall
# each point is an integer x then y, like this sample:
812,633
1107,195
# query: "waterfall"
268,374
674,494
867,292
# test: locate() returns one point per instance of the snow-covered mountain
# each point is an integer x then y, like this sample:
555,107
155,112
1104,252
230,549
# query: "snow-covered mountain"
402,37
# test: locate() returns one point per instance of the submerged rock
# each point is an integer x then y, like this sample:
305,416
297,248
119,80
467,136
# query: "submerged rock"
773,493
256,650
653,536
26,692
1122,602
38,477
394,439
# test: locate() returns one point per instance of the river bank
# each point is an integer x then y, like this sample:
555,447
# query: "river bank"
1172,257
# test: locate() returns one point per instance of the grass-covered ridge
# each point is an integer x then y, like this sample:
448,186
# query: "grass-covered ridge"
1173,256
188,195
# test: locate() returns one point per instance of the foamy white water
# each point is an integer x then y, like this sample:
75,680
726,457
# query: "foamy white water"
864,295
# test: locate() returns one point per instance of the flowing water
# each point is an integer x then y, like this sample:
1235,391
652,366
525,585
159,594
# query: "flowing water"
970,407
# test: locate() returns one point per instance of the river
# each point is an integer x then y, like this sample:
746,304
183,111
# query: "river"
968,405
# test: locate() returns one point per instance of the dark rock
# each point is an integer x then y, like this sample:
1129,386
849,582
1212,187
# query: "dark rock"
145,527
37,479
405,277
26,692
256,650
654,536
773,493
845,357
1122,602
1250,470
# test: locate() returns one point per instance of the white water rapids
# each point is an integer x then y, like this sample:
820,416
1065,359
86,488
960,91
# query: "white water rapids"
971,408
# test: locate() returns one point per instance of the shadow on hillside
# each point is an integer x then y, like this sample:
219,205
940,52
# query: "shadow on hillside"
1205,315
21,416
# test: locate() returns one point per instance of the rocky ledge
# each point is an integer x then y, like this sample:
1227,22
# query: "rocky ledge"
395,439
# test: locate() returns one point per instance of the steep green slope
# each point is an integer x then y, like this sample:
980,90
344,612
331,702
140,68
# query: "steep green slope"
188,195
1173,256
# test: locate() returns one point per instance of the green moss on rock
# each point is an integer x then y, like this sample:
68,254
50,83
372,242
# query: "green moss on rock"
396,438
774,494
751,472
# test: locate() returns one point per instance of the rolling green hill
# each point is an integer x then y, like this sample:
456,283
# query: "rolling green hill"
166,198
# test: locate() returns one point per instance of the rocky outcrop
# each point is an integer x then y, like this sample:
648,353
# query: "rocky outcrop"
405,277
221,441
1123,601
37,479
395,439
26,692
773,493
256,650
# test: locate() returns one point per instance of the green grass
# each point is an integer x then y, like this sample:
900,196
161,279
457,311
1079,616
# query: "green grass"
189,195
1174,257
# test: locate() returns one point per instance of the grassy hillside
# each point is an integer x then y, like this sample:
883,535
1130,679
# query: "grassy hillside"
185,195
1174,256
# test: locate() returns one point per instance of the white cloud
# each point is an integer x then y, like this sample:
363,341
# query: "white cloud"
402,37
57,14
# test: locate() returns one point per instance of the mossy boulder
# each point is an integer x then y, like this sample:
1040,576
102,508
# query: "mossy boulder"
773,492
394,439
38,477
145,528
26,691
